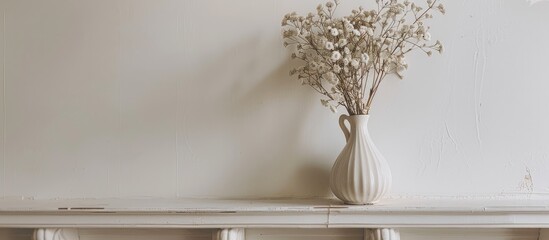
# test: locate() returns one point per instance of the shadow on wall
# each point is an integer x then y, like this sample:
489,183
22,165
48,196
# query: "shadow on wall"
309,178
253,126
16,234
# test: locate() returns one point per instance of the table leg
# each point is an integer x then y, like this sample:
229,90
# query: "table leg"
56,234
381,234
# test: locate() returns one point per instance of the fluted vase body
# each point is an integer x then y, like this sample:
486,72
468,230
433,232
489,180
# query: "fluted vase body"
360,174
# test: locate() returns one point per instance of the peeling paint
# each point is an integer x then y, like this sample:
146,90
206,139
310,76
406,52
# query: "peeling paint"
479,83
449,134
431,151
423,163
527,183
441,149
482,41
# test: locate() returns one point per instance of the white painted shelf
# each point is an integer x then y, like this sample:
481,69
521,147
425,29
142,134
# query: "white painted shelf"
301,213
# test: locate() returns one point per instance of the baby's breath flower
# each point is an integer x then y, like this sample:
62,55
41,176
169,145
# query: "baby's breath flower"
347,51
441,9
331,78
329,46
427,36
324,102
293,71
355,63
365,58
336,56
342,42
319,8
337,68
341,51
401,61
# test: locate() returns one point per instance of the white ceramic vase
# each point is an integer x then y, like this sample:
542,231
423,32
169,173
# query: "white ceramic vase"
360,174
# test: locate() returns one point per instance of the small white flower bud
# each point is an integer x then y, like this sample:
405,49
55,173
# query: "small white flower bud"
329,46
365,58
427,36
336,56
355,63
324,102
346,50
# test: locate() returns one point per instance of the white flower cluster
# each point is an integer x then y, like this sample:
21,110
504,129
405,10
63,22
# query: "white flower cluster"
345,59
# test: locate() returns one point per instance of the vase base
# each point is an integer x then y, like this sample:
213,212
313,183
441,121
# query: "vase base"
351,203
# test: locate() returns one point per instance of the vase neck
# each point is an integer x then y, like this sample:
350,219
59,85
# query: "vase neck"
358,121
359,126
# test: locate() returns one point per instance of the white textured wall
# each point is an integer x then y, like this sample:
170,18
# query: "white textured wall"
190,98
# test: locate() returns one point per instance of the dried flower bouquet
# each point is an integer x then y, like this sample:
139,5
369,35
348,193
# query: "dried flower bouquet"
346,59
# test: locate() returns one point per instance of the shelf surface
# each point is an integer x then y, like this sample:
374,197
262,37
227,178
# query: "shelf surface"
290,213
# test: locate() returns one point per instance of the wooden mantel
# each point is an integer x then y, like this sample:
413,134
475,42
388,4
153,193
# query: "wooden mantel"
233,216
